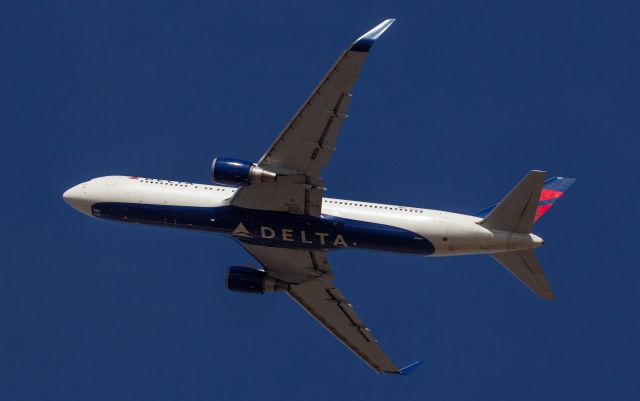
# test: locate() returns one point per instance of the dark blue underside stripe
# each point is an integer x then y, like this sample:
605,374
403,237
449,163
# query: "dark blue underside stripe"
281,229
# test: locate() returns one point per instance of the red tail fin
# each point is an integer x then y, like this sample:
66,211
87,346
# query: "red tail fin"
552,190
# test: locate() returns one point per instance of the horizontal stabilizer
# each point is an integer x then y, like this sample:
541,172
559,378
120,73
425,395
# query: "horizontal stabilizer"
516,212
524,265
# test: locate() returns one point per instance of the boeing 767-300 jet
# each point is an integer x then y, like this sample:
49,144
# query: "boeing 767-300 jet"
275,209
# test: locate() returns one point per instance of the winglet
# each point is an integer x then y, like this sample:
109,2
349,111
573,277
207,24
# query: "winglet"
407,370
364,42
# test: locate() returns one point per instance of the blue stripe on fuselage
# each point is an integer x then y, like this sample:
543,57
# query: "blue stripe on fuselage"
272,228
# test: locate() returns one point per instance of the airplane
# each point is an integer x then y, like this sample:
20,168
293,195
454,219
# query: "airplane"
275,209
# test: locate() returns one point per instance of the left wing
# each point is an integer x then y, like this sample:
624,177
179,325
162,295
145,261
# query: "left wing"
311,286
303,147
322,300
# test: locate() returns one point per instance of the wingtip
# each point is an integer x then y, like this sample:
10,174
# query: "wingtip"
407,370
364,42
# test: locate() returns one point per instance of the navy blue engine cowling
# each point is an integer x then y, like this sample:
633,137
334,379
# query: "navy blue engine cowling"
254,281
238,172
245,279
231,171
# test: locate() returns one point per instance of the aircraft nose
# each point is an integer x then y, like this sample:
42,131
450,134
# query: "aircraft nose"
77,198
69,195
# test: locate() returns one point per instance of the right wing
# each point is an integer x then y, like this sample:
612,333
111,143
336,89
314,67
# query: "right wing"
303,147
311,286
307,141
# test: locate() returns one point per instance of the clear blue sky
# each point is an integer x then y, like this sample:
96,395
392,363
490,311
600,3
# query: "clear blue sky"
457,101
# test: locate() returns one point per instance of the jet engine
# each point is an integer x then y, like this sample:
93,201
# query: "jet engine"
238,172
254,281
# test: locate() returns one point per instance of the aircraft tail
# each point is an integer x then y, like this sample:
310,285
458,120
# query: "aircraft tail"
516,213
552,190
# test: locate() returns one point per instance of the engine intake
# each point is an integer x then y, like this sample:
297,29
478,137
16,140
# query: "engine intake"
238,172
254,281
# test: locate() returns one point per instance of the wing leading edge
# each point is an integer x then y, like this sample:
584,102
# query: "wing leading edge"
304,146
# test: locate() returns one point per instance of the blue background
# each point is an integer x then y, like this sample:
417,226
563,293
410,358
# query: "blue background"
458,100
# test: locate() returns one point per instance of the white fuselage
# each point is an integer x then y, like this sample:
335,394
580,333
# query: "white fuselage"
449,233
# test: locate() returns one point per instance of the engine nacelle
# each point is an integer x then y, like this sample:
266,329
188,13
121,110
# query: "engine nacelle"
254,281
238,172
